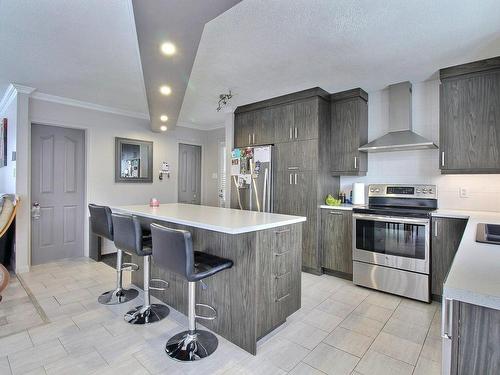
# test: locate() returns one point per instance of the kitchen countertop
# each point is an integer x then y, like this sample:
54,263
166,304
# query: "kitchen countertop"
218,219
474,276
343,206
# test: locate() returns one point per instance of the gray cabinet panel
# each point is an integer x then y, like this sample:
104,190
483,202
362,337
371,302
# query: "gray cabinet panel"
243,129
282,118
478,340
336,240
470,123
349,131
446,236
263,129
306,119
297,155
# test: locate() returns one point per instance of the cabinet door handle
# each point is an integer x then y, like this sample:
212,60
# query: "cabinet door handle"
291,176
249,139
282,298
282,231
447,317
295,178
296,133
335,213
253,138
355,162
290,133
281,254
436,228
442,159
277,277
292,168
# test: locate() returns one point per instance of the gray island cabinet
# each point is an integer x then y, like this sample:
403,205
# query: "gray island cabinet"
262,288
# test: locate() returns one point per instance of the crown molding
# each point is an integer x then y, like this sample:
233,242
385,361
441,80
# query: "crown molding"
22,89
206,127
87,105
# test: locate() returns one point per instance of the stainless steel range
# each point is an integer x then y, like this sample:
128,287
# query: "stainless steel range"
391,239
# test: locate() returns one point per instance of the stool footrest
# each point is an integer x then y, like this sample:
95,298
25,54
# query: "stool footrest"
212,317
129,267
159,281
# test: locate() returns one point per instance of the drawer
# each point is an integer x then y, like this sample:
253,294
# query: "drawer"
282,285
281,240
282,262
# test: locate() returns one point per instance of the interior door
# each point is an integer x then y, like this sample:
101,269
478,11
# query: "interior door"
189,174
57,186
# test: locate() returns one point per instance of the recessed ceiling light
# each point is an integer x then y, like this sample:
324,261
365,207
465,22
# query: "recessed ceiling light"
165,90
163,118
163,128
168,48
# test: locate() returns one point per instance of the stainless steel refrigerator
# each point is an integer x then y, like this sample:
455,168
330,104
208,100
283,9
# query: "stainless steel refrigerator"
251,178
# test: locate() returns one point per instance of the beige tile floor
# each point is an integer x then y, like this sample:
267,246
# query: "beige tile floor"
340,329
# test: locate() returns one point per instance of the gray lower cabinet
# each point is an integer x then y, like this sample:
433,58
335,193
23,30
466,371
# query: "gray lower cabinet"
475,348
349,131
469,124
446,236
335,239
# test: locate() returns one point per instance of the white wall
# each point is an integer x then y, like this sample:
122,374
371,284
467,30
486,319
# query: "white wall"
211,166
7,176
422,166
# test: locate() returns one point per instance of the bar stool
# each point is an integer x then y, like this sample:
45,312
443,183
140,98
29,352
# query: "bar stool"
173,251
129,237
102,225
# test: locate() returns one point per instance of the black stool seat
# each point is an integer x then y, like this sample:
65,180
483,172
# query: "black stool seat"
173,251
206,265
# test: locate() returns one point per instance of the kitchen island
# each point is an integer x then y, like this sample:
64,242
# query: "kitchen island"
261,289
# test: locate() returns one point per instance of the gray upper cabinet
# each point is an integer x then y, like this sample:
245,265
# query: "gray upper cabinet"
469,124
298,155
263,129
446,236
243,129
305,120
349,131
283,122
335,239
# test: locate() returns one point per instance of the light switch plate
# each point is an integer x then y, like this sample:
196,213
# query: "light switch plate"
464,192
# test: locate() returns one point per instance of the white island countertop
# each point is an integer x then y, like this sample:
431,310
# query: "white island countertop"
474,276
218,219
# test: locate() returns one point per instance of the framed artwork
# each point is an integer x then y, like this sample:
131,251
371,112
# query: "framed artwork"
3,143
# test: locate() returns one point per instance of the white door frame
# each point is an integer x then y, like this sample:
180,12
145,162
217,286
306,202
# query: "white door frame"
202,187
86,137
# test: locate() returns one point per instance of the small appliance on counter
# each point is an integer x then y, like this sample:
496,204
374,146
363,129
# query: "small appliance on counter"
391,239
251,178
488,233
358,193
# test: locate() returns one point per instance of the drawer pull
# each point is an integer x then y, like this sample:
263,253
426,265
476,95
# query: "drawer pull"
282,298
280,254
335,213
293,168
277,277
282,231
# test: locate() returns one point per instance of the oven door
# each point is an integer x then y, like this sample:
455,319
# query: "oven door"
397,242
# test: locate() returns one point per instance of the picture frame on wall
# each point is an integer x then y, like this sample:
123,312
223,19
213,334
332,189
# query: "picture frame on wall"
3,143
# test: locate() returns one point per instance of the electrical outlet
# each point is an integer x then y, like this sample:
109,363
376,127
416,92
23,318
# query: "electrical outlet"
464,192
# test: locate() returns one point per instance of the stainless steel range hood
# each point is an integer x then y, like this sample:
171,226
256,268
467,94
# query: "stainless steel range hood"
401,136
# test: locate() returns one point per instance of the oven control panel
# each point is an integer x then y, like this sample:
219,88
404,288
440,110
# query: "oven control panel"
402,191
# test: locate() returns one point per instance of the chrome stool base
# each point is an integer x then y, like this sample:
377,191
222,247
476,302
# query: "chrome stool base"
147,314
117,296
189,347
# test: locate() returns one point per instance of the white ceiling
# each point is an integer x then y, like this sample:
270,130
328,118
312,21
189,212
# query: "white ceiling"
80,49
261,49
180,22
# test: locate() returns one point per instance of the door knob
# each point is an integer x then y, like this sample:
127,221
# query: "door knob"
35,211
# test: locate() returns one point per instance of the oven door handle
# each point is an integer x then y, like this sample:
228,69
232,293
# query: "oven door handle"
391,219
